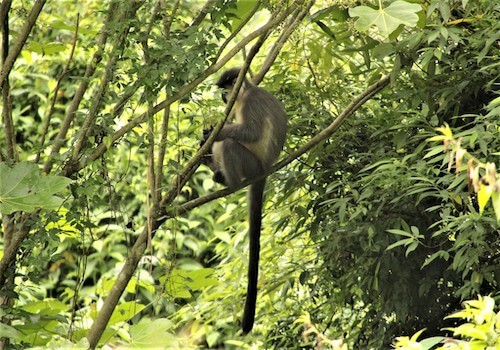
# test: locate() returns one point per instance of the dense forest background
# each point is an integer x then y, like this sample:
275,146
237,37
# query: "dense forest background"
380,220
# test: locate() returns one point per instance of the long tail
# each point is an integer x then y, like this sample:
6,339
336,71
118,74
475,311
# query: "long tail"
255,200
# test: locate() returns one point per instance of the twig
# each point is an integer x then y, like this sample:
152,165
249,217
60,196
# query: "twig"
48,117
157,217
82,88
126,13
321,136
202,14
183,91
6,97
278,45
21,40
236,31
162,147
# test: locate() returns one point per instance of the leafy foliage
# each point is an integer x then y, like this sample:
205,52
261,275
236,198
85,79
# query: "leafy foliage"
23,189
388,19
367,236
481,332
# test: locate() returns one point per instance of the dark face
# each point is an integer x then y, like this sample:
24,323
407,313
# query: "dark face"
226,82
226,91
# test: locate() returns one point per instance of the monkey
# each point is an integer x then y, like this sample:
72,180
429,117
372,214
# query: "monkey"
247,149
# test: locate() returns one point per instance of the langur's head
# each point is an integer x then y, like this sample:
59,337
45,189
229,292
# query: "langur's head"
227,81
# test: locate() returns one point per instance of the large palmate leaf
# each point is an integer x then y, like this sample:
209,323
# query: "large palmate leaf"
22,188
386,19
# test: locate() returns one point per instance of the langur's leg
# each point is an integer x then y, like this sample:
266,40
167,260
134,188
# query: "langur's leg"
238,163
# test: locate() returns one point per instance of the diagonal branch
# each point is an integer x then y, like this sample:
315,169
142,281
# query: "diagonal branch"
156,216
82,88
313,142
183,91
289,28
21,39
48,117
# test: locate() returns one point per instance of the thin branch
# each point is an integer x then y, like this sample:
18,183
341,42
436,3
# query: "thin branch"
129,92
21,40
9,255
202,14
154,13
48,117
162,147
157,217
10,133
183,91
82,88
320,137
167,23
283,38
237,30
126,13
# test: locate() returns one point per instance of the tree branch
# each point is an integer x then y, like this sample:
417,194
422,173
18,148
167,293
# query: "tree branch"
10,136
156,216
21,39
202,14
82,88
320,137
236,31
48,117
126,12
278,45
186,89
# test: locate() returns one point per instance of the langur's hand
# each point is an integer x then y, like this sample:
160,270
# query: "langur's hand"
206,135
207,157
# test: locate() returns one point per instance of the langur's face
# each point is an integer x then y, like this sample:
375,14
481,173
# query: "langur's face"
226,91
226,82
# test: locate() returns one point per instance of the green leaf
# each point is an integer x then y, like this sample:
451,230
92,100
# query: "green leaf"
335,12
440,254
386,20
22,188
180,283
242,10
429,343
495,199
400,243
46,49
152,334
49,307
125,312
400,233
81,30
411,248
434,151
8,331
202,278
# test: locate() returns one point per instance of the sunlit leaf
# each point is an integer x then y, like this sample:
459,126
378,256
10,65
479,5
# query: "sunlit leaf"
152,334
411,247
446,131
400,233
22,188
125,311
46,49
470,330
400,243
495,199
388,19
7,331
483,196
